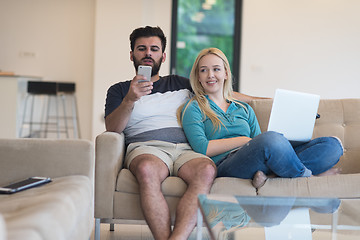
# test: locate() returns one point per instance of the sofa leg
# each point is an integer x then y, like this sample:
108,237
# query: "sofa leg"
112,227
97,228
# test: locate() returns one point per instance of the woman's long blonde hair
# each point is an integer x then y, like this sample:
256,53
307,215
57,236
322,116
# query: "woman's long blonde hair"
200,92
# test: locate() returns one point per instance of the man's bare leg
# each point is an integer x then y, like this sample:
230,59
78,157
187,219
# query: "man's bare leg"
199,175
150,172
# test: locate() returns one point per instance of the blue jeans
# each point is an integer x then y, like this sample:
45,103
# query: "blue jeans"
272,153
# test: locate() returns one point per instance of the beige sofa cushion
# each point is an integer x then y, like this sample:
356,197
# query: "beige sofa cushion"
233,186
341,186
53,211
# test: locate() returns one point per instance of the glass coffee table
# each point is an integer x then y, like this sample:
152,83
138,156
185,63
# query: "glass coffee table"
275,218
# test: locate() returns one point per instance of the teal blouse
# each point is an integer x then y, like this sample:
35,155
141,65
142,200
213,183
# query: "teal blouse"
200,130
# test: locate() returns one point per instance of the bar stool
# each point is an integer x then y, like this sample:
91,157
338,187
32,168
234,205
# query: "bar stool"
48,91
67,90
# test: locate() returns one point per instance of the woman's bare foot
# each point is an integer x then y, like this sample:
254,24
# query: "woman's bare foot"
259,179
331,171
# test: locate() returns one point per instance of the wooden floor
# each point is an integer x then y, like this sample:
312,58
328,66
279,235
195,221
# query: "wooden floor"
132,232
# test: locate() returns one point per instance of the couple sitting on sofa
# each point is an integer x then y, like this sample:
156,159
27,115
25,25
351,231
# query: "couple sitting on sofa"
158,147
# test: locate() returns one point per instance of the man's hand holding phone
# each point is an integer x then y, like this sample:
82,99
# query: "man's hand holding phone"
140,85
145,71
144,82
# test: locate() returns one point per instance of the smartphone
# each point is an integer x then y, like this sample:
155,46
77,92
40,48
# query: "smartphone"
145,71
24,184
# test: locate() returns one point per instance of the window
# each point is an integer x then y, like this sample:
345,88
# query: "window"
199,24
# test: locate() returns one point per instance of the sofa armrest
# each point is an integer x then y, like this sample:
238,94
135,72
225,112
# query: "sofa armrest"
2,228
23,158
109,154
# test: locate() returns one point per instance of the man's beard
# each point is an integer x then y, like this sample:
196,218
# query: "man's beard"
155,69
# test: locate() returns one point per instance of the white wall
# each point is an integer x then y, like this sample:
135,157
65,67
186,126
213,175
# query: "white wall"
54,40
308,45
115,20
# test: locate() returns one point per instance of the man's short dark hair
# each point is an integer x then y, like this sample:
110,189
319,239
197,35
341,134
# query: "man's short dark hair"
147,32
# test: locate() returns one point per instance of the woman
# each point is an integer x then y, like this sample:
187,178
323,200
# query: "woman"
228,131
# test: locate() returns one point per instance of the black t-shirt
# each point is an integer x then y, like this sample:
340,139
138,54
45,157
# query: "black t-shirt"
154,115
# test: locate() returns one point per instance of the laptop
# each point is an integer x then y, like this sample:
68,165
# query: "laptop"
293,114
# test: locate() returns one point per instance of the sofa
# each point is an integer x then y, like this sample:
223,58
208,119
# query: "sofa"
117,192
2,228
62,209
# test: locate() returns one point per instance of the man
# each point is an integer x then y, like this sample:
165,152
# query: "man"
157,147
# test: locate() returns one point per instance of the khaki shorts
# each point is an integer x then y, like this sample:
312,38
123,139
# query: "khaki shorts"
173,155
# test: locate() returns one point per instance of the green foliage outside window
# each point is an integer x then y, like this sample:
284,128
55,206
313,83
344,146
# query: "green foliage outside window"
199,28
